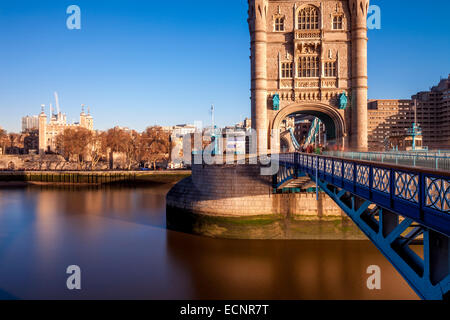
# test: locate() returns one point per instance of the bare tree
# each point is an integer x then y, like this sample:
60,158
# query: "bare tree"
97,148
74,143
3,140
155,145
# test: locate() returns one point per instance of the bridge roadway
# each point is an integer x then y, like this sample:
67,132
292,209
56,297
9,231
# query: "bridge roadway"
395,206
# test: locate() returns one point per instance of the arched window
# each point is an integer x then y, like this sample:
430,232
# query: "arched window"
308,18
279,24
337,22
330,69
286,70
308,67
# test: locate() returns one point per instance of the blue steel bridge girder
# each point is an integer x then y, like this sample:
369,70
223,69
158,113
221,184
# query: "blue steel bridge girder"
384,222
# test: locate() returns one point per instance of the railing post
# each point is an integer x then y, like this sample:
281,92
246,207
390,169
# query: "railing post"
392,186
422,189
332,169
317,178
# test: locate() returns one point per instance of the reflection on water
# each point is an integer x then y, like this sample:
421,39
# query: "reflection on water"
118,238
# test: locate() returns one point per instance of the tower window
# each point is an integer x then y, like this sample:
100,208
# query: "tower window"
330,69
279,24
337,22
308,18
286,70
308,67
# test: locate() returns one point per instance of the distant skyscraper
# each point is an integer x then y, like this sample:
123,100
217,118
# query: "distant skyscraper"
30,123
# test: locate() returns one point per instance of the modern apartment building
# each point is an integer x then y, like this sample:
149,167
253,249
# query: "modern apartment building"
30,123
391,119
433,115
388,118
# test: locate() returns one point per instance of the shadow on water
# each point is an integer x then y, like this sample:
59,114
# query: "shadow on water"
283,269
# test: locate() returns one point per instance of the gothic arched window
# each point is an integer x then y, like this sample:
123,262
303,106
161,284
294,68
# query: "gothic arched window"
337,22
308,67
286,70
308,18
279,24
330,69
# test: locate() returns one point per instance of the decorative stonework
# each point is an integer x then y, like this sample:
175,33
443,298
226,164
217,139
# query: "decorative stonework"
329,83
313,34
308,48
322,50
286,84
307,84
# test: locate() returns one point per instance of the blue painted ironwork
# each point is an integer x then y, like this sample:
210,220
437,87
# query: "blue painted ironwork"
297,145
421,197
420,159
414,132
311,138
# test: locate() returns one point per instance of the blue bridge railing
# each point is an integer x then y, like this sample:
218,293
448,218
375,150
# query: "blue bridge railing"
431,160
420,194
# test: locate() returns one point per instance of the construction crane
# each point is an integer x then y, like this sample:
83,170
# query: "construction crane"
57,102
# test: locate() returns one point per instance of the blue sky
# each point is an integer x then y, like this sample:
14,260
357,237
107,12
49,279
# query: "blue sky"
139,63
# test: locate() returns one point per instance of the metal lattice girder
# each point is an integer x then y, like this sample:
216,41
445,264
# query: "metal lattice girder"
419,194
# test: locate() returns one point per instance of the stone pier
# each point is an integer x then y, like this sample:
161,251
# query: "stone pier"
241,191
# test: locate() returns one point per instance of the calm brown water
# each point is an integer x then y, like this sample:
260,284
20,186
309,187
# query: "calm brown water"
119,240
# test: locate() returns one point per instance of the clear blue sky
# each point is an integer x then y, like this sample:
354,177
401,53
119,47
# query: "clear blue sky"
139,63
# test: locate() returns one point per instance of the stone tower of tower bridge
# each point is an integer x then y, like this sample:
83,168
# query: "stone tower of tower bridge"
309,57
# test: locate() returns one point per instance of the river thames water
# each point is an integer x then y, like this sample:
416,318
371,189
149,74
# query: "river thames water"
117,236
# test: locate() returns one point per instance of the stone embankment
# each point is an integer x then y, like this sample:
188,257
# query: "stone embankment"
14,178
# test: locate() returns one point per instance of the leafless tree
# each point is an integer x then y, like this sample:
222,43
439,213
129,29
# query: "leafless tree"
3,140
74,143
155,145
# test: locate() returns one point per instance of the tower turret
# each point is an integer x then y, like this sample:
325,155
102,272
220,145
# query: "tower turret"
82,117
359,135
257,20
42,131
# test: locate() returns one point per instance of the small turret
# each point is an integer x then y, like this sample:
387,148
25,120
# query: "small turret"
42,130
